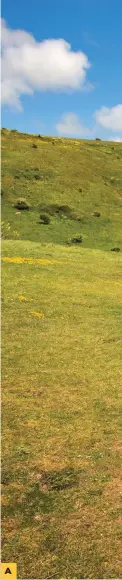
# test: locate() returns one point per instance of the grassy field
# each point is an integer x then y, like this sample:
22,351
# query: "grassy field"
86,176
61,359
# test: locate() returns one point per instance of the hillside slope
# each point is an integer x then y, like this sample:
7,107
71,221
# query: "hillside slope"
50,173
61,358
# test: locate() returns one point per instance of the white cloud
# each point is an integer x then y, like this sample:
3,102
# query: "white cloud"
28,65
115,139
110,118
70,125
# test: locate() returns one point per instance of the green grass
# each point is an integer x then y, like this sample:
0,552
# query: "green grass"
53,175
61,366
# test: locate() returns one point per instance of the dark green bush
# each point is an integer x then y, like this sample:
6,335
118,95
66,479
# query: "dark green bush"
34,146
22,203
76,217
77,240
115,249
63,211
44,217
37,176
55,209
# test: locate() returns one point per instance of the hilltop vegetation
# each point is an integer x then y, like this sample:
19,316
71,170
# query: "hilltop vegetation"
68,181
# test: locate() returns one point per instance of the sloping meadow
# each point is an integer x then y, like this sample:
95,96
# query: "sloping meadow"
61,418
76,184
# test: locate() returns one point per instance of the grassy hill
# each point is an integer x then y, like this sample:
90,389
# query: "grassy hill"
61,358
81,176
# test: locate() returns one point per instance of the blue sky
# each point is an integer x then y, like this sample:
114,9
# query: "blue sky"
54,89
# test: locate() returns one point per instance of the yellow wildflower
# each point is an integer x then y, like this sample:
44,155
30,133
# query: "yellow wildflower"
21,298
19,260
38,314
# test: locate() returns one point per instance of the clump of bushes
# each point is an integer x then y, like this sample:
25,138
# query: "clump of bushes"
44,218
77,240
37,176
28,173
34,146
115,249
22,203
96,214
76,217
63,211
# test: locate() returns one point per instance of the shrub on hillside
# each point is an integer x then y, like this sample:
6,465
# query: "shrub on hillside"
76,217
77,240
66,211
62,211
22,203
37,176
115,249
44,218
55,209
34,146
96,214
